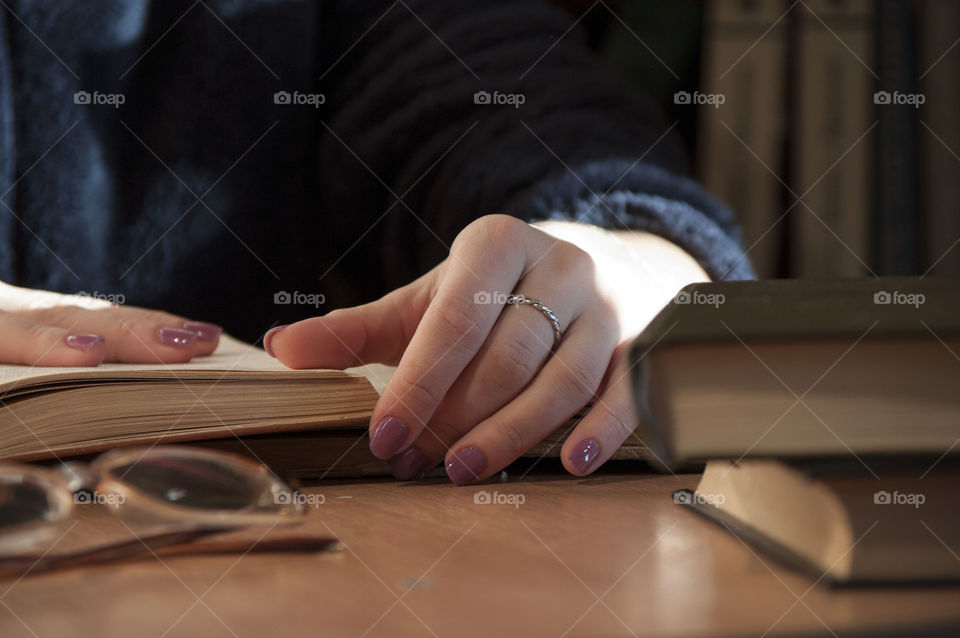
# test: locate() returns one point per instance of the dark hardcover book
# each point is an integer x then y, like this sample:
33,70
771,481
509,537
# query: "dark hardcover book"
802,368
839,526
938,139
832,141
895,230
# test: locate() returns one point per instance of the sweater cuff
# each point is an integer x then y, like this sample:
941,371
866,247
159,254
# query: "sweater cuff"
624,195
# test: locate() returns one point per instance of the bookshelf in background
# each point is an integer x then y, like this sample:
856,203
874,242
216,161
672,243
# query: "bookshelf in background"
800,83
742,140
938,135
895,240
888,204
831,149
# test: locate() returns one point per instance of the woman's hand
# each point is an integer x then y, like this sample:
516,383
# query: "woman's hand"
40,328
476,383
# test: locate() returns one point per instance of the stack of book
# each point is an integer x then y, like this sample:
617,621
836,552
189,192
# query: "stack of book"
828,415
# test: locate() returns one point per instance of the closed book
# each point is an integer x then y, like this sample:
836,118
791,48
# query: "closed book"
839,523
799,368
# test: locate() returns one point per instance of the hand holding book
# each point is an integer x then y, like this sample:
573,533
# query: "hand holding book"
478,382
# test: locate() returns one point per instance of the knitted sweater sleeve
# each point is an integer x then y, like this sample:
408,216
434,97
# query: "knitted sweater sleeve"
441,112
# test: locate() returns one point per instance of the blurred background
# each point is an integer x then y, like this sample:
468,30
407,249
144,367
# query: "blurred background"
832,127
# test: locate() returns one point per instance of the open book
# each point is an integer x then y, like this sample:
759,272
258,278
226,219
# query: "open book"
239,390
308,423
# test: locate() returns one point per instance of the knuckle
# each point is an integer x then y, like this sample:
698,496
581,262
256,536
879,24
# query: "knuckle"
146,319
513,363
53,315
569,259
608,325
36,333
578,378
420,395
34,342
620,419
129,329
512,437
159,318
496,230
458,318
501,228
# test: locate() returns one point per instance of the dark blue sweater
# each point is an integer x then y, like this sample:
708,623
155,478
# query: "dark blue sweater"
147,148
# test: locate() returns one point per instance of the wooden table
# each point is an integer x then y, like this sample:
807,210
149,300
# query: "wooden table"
609,555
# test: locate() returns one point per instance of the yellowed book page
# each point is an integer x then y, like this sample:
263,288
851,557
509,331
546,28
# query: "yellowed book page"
231,356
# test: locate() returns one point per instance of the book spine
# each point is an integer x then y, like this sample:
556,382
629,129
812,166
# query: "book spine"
652,427
742,158
895,237
938,71
832,147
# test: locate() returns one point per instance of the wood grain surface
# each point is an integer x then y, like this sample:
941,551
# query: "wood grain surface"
610,555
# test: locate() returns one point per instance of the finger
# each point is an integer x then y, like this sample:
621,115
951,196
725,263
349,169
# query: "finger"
27,342
134,335
514,352
567,382
611,420
376,332
488,256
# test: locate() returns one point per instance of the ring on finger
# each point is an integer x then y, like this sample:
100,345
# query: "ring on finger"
518,299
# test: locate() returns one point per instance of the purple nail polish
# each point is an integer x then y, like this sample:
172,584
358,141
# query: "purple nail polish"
267,337
205,331
176,337
584,455
410,463
466,466
387,437
83,342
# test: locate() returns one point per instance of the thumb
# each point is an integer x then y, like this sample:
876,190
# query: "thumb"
376,332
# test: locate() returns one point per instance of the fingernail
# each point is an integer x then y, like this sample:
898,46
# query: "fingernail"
466,466
83,342
409,463
267,337
204,331
584,455
387,437
176,337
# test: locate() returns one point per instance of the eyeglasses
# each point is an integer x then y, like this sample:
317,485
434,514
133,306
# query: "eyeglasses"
176,492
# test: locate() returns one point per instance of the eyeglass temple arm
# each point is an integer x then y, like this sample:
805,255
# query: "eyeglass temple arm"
146,544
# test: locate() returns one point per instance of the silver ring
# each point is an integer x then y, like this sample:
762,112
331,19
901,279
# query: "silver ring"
551,316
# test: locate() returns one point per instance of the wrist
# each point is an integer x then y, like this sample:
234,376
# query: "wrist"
638,271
